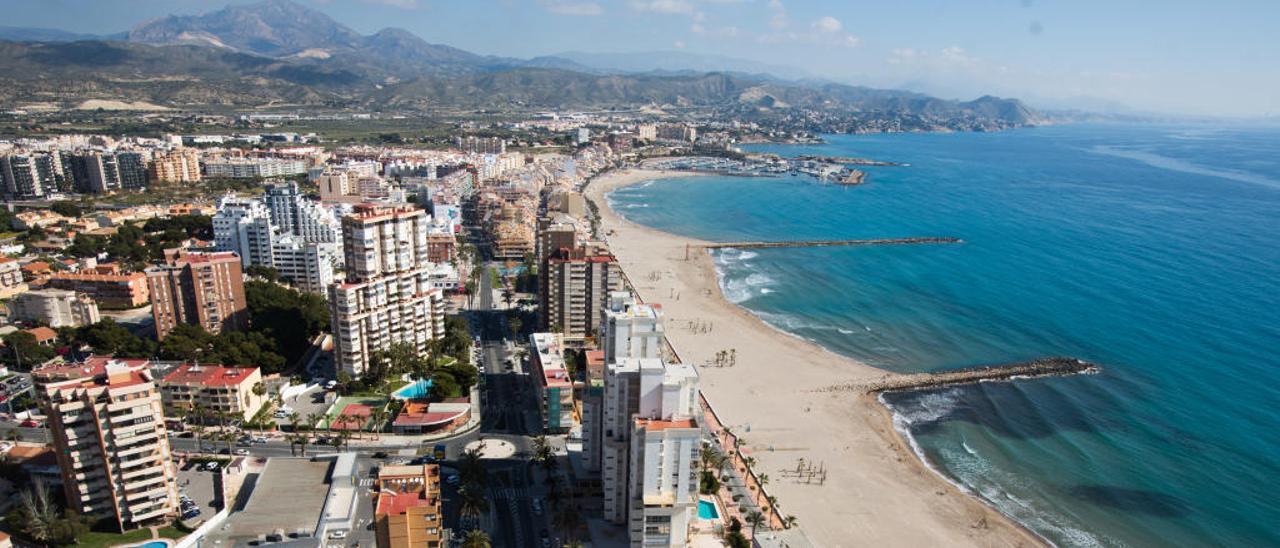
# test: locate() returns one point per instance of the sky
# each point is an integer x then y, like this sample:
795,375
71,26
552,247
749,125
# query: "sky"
1173,56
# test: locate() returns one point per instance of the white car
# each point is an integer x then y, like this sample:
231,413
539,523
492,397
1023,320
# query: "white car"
338,534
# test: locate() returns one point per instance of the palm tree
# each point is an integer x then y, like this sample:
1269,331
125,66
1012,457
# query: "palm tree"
541,450
476,539
379,417
568,520
473,504
755,519
790,521
471,468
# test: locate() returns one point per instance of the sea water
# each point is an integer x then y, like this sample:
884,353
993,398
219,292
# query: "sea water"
1151,250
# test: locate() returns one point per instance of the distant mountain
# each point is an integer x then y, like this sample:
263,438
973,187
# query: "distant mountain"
277,52
677,61
271,27
24,34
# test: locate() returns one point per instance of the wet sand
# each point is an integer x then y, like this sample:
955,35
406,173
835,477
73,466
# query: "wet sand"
877,491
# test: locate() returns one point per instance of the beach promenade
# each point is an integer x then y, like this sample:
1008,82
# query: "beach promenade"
877,493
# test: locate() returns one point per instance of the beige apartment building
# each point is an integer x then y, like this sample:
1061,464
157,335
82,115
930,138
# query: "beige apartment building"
205,289
180,165
110,291
214,389
107,424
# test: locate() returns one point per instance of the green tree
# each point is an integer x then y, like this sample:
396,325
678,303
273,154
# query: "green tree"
23,350
476,538
265,272
86,245
66,209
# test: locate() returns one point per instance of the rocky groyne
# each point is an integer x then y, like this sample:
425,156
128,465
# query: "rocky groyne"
832,243
1045,367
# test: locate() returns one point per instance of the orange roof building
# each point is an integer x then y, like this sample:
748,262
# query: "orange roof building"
407,507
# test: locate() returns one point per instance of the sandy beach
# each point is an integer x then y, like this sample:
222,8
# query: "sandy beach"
877,492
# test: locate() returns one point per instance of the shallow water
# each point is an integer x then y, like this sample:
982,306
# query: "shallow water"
1148,249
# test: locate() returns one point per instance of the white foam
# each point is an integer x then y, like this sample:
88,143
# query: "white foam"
976,476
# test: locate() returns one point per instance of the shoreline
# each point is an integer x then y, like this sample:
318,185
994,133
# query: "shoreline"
879,490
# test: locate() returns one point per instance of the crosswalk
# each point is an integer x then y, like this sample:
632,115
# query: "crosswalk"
511,493
366,482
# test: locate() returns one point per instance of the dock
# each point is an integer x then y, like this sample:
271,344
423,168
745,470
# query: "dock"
1044,367
834,243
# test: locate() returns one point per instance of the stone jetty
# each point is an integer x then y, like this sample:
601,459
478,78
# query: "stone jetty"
832,243
1045,367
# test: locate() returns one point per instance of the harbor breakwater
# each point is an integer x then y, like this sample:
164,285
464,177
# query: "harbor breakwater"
1044,367
834,243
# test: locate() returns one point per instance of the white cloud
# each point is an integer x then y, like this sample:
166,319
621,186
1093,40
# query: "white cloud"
778,19
569,7
664,6
828,24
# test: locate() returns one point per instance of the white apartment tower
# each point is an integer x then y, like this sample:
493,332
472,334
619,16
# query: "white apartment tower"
387,296
627,330
650,431
305,253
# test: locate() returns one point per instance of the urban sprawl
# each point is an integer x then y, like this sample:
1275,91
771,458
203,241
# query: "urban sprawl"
260,339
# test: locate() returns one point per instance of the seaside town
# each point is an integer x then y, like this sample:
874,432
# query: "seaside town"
261,339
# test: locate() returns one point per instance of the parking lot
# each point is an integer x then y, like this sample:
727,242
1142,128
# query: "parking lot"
199,487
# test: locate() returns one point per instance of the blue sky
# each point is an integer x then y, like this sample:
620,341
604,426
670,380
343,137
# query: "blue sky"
1182,56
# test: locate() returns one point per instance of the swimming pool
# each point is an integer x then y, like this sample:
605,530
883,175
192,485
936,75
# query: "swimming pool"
414,391
153,544
707,510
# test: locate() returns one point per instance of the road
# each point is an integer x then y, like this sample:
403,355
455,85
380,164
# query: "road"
509,412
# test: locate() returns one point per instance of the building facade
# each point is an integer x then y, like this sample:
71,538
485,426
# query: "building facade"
578,284
110,291
213,389
552,382
181,165
55,308
205,289
407,507
387,296
108,429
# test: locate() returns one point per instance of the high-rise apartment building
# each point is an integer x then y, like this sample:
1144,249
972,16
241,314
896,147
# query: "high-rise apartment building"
108,429
387,297
205,289
578,284
27,176
482,145
649,433
243,225
305,254
180,165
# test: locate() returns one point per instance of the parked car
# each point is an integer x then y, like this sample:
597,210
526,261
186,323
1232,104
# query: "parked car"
242,452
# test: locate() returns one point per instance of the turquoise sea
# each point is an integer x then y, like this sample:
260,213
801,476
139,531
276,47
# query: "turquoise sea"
1152,250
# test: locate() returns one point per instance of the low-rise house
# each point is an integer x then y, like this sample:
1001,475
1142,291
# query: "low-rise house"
407,507
214,388
11,281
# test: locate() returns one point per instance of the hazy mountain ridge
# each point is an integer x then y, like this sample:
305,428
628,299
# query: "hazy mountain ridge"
278,52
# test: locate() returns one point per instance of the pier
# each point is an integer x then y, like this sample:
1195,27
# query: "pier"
833,243
1045,367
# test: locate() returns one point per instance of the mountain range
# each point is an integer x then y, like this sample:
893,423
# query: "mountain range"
277,52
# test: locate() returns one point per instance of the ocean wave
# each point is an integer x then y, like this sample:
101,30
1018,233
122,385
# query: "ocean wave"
974,475
742,289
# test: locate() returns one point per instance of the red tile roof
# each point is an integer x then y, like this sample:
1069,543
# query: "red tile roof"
394,504
209,375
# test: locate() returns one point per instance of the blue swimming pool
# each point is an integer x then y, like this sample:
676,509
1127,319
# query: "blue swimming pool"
153,544
707,510
414,391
